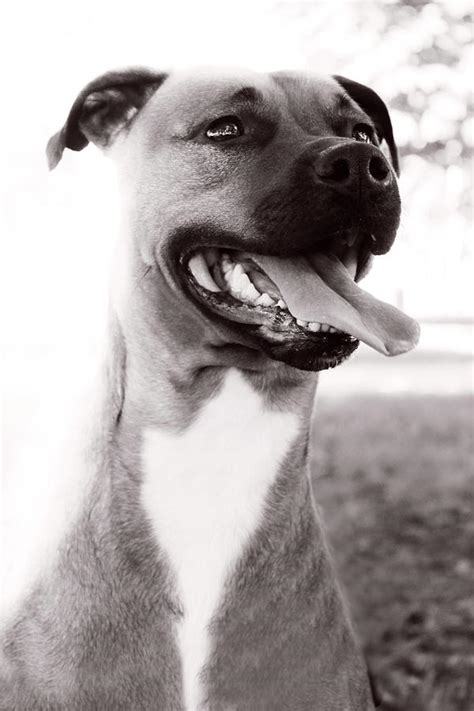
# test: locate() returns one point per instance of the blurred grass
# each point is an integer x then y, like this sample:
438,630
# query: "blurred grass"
394,478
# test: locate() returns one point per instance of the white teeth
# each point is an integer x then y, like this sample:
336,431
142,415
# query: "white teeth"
247,291
239,283
314,326
265,300
244,280
251,293
234,278
200,271
226,264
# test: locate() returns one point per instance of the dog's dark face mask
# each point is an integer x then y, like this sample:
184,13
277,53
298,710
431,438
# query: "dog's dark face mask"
260,199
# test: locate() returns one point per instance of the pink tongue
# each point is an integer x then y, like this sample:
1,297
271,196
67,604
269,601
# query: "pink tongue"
323,291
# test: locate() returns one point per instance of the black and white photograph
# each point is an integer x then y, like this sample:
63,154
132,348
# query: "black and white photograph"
237,421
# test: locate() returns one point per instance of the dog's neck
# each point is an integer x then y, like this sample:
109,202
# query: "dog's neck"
207,435
167,388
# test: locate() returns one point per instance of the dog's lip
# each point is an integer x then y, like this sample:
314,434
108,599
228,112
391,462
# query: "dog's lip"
277,319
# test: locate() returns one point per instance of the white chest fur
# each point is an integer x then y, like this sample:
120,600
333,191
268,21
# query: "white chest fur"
204,493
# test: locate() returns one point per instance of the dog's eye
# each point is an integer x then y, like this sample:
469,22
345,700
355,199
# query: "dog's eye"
224,129
363,132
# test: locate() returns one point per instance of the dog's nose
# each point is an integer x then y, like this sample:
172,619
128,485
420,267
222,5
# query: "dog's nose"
353,166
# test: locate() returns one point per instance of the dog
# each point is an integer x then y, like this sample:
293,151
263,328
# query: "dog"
196,574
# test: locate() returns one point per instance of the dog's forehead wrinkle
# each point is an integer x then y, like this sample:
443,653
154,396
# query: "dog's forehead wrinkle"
247,93
185,99
249,85
312,99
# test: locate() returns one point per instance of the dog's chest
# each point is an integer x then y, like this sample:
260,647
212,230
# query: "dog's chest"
204,493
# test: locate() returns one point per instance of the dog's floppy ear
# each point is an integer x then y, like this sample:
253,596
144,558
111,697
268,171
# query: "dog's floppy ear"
103,109
372,104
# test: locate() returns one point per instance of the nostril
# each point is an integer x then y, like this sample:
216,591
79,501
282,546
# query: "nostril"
378,168
339,171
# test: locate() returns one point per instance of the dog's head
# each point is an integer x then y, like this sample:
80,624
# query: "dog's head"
258,199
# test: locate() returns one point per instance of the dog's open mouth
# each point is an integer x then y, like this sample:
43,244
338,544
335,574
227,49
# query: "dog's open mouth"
287,299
